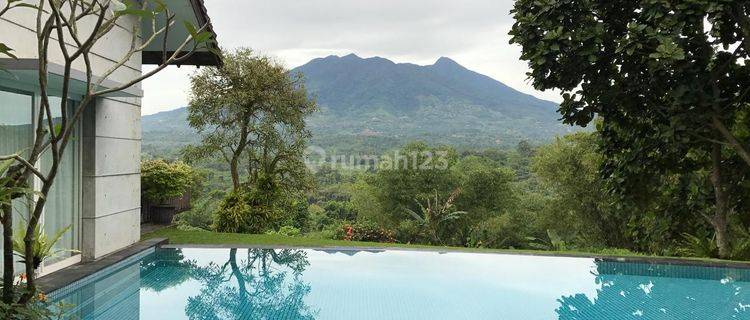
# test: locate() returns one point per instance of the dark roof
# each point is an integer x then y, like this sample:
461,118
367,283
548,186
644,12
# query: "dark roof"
200,58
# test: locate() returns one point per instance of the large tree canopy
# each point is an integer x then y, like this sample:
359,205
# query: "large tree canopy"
251,112
668,78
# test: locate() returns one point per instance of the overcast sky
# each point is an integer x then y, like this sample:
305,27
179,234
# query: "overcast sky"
472,32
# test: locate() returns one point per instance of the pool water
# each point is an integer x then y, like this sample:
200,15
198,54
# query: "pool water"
315,284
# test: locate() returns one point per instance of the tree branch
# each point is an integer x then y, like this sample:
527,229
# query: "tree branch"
26,164
733,142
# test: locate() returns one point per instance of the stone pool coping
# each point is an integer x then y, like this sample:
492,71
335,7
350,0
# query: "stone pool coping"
78,272
607,258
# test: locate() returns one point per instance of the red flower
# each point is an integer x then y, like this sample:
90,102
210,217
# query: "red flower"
349,233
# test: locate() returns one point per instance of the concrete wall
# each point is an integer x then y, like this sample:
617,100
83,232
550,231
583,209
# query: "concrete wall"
111,136
111,176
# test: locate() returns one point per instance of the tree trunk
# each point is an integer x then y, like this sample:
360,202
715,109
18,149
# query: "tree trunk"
8,268
719,221
233,168
242,286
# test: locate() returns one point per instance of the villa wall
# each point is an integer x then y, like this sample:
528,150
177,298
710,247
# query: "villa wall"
111,137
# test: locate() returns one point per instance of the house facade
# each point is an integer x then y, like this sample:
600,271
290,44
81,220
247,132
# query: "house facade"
97,191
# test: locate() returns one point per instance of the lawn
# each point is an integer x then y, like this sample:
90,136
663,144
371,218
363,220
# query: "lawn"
180,237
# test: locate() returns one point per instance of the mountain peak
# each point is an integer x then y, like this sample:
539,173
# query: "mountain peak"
351,56
445,61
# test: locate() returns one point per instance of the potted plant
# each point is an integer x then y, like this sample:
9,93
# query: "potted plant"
162,181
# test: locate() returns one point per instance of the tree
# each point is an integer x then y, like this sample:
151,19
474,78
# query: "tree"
416,171
265,284
580,208
74,27
250,112
667,78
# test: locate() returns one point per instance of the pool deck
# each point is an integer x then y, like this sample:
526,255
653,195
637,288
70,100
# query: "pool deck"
76,272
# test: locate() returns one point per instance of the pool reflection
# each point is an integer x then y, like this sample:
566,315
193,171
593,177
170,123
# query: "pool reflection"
293,284
644,291
244,284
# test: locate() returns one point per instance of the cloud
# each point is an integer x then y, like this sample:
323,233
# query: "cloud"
472,32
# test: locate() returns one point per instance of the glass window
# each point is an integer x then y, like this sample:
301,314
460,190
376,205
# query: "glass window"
62,205
63,202
16,135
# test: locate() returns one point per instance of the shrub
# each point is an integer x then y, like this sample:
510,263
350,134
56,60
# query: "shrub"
162,181
202,213
318,218
504,231
340,210
410,231
241,212
298,215
364,231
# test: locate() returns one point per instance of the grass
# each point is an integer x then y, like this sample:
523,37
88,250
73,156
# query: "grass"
180,237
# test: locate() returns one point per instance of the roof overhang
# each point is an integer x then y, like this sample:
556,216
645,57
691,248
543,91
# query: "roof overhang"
192,11
23,74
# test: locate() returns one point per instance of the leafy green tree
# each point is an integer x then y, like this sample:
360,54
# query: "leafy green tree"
580,207
485,187
162,181
416,171
250,112
668,79
365,202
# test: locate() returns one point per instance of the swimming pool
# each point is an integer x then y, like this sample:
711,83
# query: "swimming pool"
291,284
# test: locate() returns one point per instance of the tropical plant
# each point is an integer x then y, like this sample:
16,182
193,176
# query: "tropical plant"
436,213
161,181
43,246
552,242
246,212
697,246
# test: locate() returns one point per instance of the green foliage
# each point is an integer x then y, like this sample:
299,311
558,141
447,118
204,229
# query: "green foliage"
509,230
580,206
200,216
697,246
340,210
436,214
553,241
245,212
287,231
161,181
231,214
250,113
297,213
42,247
36,309
400,180
365,203
318,217
667,79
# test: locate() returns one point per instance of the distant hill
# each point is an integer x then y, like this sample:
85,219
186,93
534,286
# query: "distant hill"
374,104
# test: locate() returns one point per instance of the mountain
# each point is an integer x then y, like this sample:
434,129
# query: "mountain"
375,104
375,98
